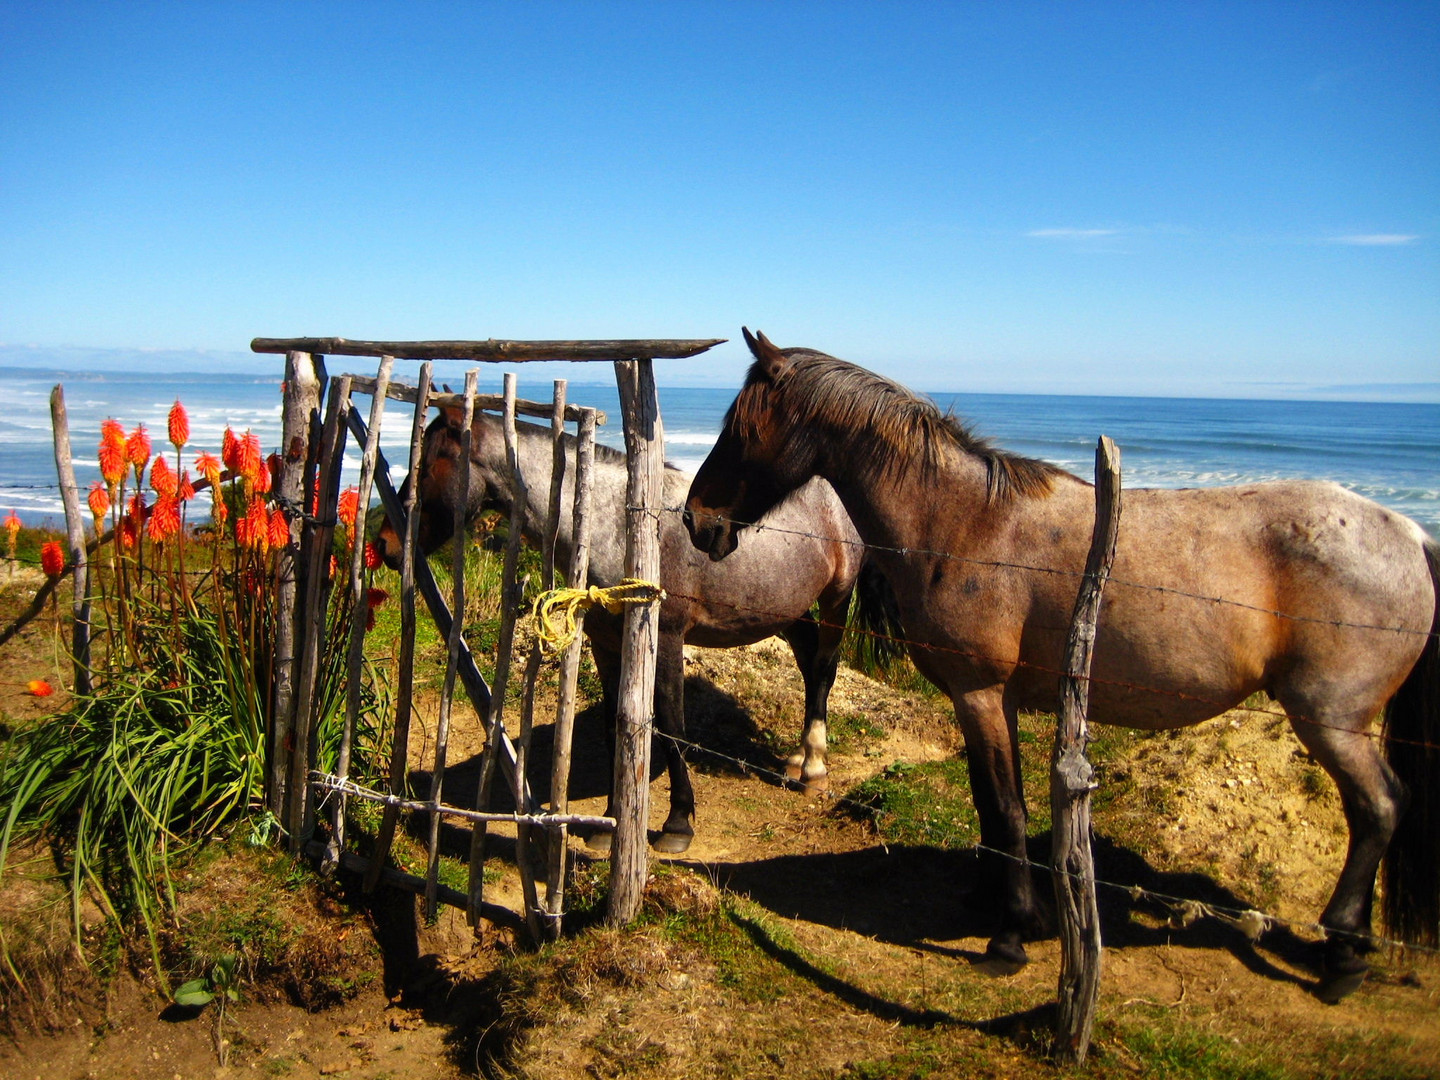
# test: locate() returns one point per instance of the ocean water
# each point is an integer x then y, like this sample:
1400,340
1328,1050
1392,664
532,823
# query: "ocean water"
1387,452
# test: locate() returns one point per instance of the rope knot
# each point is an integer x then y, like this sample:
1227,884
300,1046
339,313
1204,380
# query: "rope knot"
557,613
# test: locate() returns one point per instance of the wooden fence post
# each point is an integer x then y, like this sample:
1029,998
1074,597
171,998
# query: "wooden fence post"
299,818
74,539
645,453
359,607
577,573
1072,778
301,395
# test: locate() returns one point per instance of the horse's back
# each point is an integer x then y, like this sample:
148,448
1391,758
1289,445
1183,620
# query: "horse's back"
1218,592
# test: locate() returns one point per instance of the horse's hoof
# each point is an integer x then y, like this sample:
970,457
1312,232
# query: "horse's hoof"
669,843
793,765
599,842
1001,959
1341,978
816,785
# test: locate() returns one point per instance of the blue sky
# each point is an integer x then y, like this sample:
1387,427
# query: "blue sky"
1195,199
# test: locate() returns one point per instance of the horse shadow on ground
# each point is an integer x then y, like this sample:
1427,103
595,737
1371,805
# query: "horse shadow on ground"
922,898
728,743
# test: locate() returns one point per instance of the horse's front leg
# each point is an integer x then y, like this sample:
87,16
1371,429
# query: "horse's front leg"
677,832
817,653
993,755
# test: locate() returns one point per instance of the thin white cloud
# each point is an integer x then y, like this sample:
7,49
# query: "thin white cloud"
1377,239
1070,234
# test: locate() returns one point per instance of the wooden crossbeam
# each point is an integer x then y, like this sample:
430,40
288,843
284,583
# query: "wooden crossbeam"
495,351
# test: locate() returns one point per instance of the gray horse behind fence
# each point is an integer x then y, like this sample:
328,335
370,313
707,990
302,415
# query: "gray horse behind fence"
1322,599
811,558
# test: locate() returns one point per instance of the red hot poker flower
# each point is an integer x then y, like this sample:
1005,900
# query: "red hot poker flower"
112,451
164,519
279,529
163,478
187,489
208,466
39,688
137,447
230,450
179,424
372,557
349,506
99,499
250,459
52,558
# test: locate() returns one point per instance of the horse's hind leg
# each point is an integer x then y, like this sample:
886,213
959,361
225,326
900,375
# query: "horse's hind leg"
817,653
677,832
1373,800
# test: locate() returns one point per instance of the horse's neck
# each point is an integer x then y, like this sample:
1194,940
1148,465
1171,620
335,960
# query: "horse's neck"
607,503
910,508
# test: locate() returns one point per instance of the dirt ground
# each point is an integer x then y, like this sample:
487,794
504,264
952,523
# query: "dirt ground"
877,943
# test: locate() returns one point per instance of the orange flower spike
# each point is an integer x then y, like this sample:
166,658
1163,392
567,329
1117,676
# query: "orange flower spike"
163,478
99,499
12,526
135,514
348,507
262,481
250,458
112,452
375,597
186,490
127,533
39,688
372,557
208,466
52,558
179,424
279,529
164,519
257,522
230,450
137,447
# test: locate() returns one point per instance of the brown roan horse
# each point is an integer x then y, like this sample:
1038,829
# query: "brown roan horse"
768,588
1322,599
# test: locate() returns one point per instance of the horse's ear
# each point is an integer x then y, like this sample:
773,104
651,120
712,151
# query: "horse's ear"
769,360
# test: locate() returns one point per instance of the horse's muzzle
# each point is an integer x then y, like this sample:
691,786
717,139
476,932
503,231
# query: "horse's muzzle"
711,533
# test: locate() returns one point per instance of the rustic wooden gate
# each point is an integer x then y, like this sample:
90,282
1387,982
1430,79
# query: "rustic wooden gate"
312,451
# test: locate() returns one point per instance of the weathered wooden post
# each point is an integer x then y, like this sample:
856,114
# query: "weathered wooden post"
577,574
301,396
452,640
645,453
74,539
1072,778
299,819
404,695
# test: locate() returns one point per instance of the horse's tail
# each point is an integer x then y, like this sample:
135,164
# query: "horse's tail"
1410,905
875,638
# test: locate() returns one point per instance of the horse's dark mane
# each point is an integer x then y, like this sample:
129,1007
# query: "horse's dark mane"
895,425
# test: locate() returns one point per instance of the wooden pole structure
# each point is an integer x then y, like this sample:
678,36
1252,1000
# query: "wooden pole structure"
301,397
359,605
645,454
510,589
1072,779
452,656
74,539
409,529
316,552
576,575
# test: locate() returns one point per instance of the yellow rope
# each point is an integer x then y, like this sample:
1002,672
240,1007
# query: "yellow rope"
557,612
